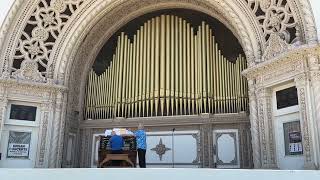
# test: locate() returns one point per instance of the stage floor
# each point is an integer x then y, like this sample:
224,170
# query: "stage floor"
156,174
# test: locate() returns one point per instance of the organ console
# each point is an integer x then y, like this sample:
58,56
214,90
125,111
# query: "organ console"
128,157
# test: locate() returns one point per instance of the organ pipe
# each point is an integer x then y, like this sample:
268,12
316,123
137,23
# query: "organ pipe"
167,68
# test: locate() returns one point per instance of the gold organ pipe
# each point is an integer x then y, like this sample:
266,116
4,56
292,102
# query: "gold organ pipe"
157,88
148,64
208,65
127,101
180,66
141,71
134,82
172,61
196,75
162,63
192,84
123,74
176,59
152,64
144,87
184,67
168,64
212,59
137,74
215,77
168,68
188,71
120,69
200,70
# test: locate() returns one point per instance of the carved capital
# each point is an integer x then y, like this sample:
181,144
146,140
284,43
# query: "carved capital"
313,61
263,93
315,77
300,80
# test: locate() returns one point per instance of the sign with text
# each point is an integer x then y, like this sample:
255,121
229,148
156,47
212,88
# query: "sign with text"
295,142
18,150
18,144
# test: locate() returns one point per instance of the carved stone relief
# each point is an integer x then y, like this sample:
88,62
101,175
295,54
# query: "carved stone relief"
39,49
305,119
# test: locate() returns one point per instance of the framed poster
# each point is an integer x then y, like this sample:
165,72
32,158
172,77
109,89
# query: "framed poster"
292,138
295,142
19,145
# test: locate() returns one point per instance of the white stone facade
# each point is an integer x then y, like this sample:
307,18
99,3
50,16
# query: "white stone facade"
48,65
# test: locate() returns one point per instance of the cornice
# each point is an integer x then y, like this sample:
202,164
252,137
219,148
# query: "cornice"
291,55
168,120
49,86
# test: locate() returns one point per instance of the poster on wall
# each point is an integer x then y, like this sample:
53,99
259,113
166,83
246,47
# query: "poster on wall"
18,145
295,142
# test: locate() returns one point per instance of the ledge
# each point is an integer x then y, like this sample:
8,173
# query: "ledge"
156,174
168,120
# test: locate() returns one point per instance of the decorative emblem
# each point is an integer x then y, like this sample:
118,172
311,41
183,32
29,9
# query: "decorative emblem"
160,149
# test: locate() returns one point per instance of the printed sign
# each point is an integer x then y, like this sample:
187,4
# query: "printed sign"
295,142
18,144
18,150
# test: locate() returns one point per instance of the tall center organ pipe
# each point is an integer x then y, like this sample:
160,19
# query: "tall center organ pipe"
168,68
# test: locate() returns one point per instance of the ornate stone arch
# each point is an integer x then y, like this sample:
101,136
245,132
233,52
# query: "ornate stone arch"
89,24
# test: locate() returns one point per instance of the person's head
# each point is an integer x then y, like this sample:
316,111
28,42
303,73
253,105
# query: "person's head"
140,126
113,133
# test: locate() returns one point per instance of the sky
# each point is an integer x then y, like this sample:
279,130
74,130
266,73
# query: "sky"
315,4
4,8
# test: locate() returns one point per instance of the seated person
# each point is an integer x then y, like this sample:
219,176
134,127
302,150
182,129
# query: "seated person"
116,144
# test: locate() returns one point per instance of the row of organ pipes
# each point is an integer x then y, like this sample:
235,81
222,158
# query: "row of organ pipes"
167,69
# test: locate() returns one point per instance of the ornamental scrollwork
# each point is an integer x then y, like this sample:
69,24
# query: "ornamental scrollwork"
276,16
35,45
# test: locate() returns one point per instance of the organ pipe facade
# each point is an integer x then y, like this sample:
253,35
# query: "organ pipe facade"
168,68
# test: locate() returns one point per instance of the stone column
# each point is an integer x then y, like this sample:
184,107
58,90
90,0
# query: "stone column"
266,130
254,125
305,120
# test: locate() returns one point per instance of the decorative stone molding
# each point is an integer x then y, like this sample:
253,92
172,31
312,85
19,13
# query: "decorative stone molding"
309,25
273,16
254,121
29,72
267,141
305,119
46,43
275,46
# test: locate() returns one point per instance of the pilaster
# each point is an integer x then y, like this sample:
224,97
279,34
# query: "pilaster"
254,125
266,130
305,120
43,152
314,67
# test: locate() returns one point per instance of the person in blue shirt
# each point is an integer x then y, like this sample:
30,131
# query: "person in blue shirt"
141,145
116,144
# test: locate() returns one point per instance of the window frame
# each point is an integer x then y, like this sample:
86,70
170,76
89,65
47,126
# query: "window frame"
286,110
9,121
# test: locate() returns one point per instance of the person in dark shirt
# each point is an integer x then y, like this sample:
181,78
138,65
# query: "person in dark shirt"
116,144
